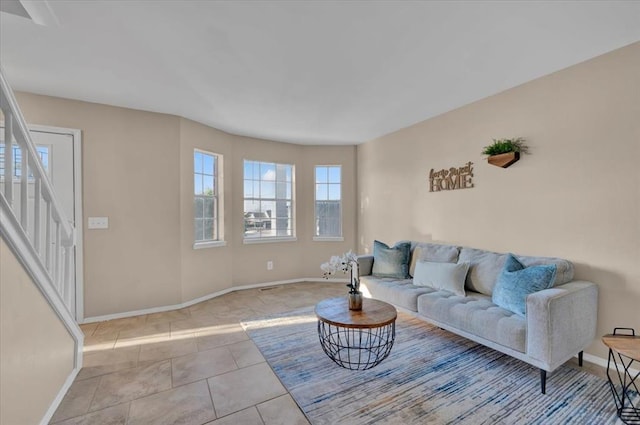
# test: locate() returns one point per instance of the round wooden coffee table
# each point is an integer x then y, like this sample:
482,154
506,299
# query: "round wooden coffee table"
356,339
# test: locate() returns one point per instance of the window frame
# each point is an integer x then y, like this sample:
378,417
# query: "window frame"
327,238
218,197
292,200
17,161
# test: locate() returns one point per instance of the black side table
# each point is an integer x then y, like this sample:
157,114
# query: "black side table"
627,349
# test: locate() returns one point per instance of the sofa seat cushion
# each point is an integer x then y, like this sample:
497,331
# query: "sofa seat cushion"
476,314
401,293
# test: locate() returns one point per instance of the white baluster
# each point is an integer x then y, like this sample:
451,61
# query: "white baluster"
57,263
24,189
67,285
47,248
8,157
36,214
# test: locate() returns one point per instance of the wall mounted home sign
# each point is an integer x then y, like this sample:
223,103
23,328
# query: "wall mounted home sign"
451,179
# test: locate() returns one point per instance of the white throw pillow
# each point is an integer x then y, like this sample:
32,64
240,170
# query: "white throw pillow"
442,276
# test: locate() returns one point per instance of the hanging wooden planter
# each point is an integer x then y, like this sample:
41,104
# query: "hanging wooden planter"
504,159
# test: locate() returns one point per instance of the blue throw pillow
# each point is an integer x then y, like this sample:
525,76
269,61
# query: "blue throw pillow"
391,262
517,281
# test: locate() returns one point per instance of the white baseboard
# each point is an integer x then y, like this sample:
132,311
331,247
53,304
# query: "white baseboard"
61,393
201,299
603,362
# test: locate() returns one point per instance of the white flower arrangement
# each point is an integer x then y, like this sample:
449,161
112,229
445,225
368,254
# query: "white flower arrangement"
347,263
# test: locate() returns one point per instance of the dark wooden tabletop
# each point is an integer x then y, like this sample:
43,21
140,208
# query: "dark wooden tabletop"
374,313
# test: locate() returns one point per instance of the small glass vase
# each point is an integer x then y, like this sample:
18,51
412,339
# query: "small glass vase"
355,300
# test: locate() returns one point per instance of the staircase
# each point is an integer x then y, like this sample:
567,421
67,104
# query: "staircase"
33,223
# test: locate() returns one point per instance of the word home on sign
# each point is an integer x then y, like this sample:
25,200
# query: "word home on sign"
451,179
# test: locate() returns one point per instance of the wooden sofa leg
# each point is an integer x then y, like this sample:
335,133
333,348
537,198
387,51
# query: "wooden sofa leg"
580,358
543,381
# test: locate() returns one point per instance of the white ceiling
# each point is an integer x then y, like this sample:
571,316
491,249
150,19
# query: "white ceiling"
310,72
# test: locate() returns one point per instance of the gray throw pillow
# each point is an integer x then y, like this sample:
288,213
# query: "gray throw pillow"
391,262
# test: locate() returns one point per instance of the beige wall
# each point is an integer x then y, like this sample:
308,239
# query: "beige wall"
36,350
204,271
138,171
577,195
213,269
301,258
131,175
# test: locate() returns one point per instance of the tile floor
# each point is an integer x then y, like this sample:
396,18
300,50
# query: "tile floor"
191,366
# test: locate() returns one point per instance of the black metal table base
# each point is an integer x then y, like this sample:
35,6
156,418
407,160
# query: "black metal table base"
624,387
356,348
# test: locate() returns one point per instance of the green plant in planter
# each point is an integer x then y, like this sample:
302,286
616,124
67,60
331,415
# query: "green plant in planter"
506,145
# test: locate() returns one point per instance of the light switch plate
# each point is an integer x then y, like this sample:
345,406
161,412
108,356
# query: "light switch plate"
98,223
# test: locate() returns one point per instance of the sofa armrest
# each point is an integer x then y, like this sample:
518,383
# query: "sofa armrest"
561,322
365,265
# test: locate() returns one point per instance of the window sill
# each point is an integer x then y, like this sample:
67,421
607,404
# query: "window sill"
209,244
328,239
250,241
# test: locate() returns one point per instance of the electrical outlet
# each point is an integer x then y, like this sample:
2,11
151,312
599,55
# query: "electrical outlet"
269,265
98,223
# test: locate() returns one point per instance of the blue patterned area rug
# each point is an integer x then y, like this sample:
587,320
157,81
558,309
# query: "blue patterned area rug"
431,377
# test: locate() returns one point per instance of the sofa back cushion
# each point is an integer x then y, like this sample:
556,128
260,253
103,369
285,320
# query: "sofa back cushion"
434,253
486,266
484,269
564,268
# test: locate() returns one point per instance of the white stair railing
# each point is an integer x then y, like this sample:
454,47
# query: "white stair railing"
34,226
32,220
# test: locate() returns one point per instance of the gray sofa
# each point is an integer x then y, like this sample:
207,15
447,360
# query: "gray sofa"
559,322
